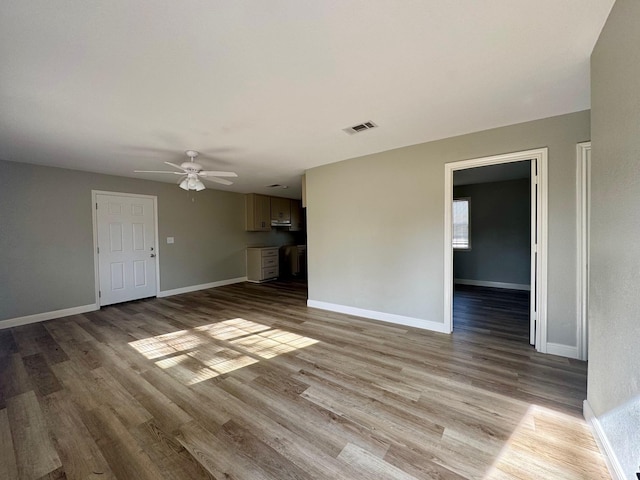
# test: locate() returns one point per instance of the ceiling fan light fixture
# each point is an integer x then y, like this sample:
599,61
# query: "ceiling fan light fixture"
192,182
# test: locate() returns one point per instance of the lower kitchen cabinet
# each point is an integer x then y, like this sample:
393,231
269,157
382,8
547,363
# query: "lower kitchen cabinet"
262,264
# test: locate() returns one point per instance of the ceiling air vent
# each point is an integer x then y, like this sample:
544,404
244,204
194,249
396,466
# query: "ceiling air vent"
359,128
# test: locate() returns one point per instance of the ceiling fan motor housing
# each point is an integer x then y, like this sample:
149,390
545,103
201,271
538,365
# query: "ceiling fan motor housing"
191,166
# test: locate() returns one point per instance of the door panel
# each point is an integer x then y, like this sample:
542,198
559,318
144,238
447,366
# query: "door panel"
138,236
140,273
117,275
115,237
126,248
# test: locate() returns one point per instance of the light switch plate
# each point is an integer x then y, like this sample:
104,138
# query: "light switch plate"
170,240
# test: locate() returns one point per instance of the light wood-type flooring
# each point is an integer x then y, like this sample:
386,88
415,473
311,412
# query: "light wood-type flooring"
246,382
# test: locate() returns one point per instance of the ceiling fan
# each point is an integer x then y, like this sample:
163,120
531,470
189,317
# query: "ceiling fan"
192,172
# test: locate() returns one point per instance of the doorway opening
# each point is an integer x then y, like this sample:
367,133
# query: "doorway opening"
492,250
536,290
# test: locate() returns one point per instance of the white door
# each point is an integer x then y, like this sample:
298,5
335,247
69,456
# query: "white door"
126,248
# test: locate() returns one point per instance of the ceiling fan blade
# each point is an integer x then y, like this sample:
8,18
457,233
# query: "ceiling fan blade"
218,180
175,166
213,173
158,171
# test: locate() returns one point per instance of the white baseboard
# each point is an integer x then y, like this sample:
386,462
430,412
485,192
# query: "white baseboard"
204,286
483,283
41,317
562,350
615,469
385,317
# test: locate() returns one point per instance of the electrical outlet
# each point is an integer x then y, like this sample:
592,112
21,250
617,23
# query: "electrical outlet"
170,240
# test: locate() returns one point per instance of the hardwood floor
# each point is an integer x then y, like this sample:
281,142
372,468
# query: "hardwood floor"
246,382
494,311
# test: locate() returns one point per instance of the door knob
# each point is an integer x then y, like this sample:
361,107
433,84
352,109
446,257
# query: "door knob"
153,255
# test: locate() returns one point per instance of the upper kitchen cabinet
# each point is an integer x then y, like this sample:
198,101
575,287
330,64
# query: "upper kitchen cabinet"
297,219
258,210
280,212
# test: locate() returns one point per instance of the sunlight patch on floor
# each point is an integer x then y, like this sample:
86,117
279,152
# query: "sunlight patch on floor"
167,344
207,351
230,329
549,444
271,343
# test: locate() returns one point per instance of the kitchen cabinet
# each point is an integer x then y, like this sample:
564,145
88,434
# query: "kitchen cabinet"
264,212
262,264
258,212
280,211
293,261
297,219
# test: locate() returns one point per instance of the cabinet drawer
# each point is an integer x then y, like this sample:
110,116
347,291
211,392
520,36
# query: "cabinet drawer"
269,272
269,262
269,252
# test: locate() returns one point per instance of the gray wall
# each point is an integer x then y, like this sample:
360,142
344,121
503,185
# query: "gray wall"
46,236
375,224
614,291
500,233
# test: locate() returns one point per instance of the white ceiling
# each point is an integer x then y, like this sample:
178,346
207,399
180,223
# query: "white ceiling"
265,88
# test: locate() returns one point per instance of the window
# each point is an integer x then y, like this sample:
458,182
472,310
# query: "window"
461,237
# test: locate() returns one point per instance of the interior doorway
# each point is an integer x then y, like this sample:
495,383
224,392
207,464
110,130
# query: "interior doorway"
538,237
492,250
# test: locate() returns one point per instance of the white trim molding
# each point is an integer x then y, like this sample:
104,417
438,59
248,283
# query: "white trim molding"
609,454
486,283
374,315
41,317
583,207
66,312
203,286
539,291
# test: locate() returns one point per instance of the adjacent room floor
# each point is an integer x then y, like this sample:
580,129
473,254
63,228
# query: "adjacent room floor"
497,312
246,382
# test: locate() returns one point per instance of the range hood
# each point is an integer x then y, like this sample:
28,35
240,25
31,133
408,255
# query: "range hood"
281,223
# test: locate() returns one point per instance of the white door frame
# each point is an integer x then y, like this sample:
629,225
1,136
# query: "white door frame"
583,206
541,157
533,268
96,260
